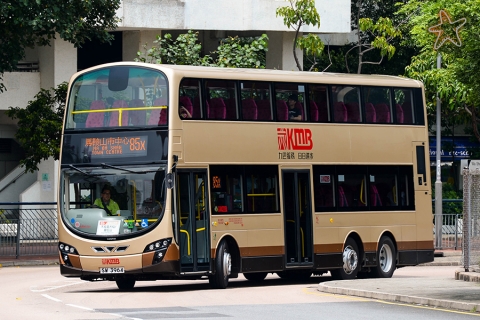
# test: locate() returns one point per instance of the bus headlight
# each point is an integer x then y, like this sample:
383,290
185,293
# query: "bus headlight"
65,250
159,247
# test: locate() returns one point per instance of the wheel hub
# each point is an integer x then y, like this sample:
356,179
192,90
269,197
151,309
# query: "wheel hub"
350,260
227,263
386,258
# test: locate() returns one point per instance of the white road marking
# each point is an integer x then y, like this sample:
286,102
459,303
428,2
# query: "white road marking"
80,307
51,298
48,288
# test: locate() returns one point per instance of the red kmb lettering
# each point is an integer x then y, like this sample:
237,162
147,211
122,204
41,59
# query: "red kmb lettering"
294,139
111,261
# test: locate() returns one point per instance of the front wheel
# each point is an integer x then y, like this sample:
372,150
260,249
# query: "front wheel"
223,267
351,262
386,259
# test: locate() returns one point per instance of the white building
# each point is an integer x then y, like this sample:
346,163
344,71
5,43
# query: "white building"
141,22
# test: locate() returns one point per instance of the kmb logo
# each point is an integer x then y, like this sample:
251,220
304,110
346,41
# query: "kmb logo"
294,139
111,261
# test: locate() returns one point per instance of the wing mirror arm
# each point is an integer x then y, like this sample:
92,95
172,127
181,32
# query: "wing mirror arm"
169,177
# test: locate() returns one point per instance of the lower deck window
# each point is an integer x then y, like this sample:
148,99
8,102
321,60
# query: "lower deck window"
244,189
347,188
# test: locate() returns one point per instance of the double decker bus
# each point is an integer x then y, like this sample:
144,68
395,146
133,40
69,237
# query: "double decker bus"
217,172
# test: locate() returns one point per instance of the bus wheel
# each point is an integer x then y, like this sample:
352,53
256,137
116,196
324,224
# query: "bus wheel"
223,267
386,259
351,263
125,284
255,276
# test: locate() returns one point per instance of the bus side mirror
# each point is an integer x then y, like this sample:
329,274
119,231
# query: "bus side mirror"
169,180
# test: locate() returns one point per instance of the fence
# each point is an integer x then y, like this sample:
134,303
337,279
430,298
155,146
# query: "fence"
28,229
451,235
471,216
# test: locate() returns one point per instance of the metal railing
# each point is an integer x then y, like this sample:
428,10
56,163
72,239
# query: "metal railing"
28,229
452,224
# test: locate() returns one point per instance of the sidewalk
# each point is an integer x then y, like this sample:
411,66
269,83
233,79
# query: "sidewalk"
35,260
442,292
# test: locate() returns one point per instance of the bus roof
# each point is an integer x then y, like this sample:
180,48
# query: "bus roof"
270,75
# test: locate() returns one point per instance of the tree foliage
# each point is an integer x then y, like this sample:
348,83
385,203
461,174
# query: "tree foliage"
456,83
378,35
40,126
233,52
298,14
374,32
28,23
185,50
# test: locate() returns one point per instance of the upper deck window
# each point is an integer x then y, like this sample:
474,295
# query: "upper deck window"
118,96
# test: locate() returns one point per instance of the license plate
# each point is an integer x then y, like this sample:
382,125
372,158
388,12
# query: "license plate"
112,270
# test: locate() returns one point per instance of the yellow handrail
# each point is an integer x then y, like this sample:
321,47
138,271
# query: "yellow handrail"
134,199
303,240
119,109
188,240
364,201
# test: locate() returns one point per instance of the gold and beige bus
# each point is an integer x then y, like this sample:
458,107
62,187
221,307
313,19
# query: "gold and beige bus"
207,173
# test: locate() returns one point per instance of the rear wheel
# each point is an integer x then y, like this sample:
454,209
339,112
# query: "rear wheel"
255,276
351,262
386,259
223,267
125,284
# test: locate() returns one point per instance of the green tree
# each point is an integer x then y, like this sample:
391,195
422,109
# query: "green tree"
40,126
233,52
28,23
185,50
455,82
378,35
298,14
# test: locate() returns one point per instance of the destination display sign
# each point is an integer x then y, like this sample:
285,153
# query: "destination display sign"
109,147
114,147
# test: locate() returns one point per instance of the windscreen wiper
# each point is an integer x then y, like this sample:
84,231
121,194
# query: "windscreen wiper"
84,172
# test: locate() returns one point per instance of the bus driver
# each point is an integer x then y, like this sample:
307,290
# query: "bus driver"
109,205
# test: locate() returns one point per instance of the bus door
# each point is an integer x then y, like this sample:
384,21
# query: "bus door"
192,220
297,209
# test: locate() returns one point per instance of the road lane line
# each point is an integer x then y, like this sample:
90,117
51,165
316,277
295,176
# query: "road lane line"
51,298
80,307
429,307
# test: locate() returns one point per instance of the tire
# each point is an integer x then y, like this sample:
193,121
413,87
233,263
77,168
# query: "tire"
386,259
223,267
350,262
125,284
255,276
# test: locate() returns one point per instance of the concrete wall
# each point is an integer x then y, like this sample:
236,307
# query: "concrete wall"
226,15
21,88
